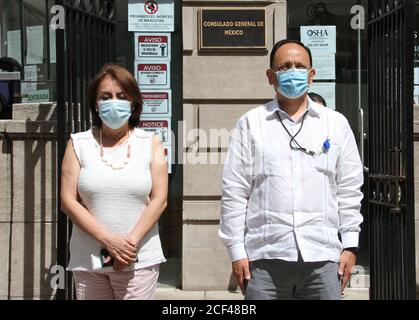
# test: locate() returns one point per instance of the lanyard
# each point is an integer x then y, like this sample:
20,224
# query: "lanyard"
298,147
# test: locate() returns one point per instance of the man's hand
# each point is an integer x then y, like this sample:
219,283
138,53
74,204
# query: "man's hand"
241,272
347,261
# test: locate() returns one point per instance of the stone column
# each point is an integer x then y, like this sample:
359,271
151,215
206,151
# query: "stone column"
218,88
28,202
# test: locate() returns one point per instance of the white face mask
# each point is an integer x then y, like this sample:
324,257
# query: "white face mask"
292,83
114,113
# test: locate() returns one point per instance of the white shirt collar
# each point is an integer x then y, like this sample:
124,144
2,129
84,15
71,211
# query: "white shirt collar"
273,107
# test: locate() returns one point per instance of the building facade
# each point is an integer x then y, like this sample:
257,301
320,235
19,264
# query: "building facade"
210,90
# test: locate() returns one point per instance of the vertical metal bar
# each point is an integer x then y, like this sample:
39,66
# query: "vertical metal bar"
74,71
61,141
47,27
374,120
380,164
22,38
390,88
90,59
408,147
397,131
393,87
83,49
372,126
68,74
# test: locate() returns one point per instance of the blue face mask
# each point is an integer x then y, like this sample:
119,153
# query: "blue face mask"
293,83
114,113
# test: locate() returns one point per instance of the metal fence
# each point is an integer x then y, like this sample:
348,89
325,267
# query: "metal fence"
83,47
391,183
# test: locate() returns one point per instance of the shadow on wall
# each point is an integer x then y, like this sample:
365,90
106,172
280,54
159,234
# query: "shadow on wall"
33,207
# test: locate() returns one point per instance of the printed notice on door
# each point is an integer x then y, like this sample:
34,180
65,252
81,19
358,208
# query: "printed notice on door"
151,15
153,75
152,45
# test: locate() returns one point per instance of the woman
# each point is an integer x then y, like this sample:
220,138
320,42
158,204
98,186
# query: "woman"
114,189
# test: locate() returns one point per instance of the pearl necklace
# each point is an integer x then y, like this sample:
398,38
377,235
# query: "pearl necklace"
108,161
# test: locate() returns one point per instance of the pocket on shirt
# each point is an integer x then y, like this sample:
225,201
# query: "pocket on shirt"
326,162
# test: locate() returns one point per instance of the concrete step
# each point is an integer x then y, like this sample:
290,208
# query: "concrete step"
177,294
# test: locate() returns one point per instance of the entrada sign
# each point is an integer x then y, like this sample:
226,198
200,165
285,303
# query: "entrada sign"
232,29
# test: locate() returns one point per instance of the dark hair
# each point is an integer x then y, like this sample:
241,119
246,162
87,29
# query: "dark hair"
127,82
317,98
279,44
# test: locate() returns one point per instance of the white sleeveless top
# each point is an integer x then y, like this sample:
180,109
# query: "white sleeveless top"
115,198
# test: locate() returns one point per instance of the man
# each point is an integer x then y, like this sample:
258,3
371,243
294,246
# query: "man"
317,98
291,183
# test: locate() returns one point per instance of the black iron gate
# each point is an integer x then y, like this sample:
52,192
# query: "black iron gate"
391,191
83,47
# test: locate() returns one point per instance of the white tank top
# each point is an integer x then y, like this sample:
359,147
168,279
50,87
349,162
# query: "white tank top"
115,198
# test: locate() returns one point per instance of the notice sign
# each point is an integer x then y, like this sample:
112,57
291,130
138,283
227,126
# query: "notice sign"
221,29
157,103
327,90
162,127
325,67
38,96
153,75
152,45
151,15
319,39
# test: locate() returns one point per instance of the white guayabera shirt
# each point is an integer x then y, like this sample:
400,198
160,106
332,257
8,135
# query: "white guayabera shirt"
277,200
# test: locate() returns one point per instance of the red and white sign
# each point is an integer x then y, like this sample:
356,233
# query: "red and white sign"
151,7
157,103
151,15
153,75
152,45
161,126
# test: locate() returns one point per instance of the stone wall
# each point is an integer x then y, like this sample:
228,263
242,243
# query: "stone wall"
28,222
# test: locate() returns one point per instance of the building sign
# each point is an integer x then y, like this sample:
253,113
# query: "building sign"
157,103
152,45
153,75
151,15
319,39
230,29
162,127
38,96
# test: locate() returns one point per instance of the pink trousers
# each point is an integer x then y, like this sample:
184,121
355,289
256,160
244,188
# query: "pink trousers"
124,285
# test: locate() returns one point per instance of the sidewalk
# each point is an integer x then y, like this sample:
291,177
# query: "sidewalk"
176,294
